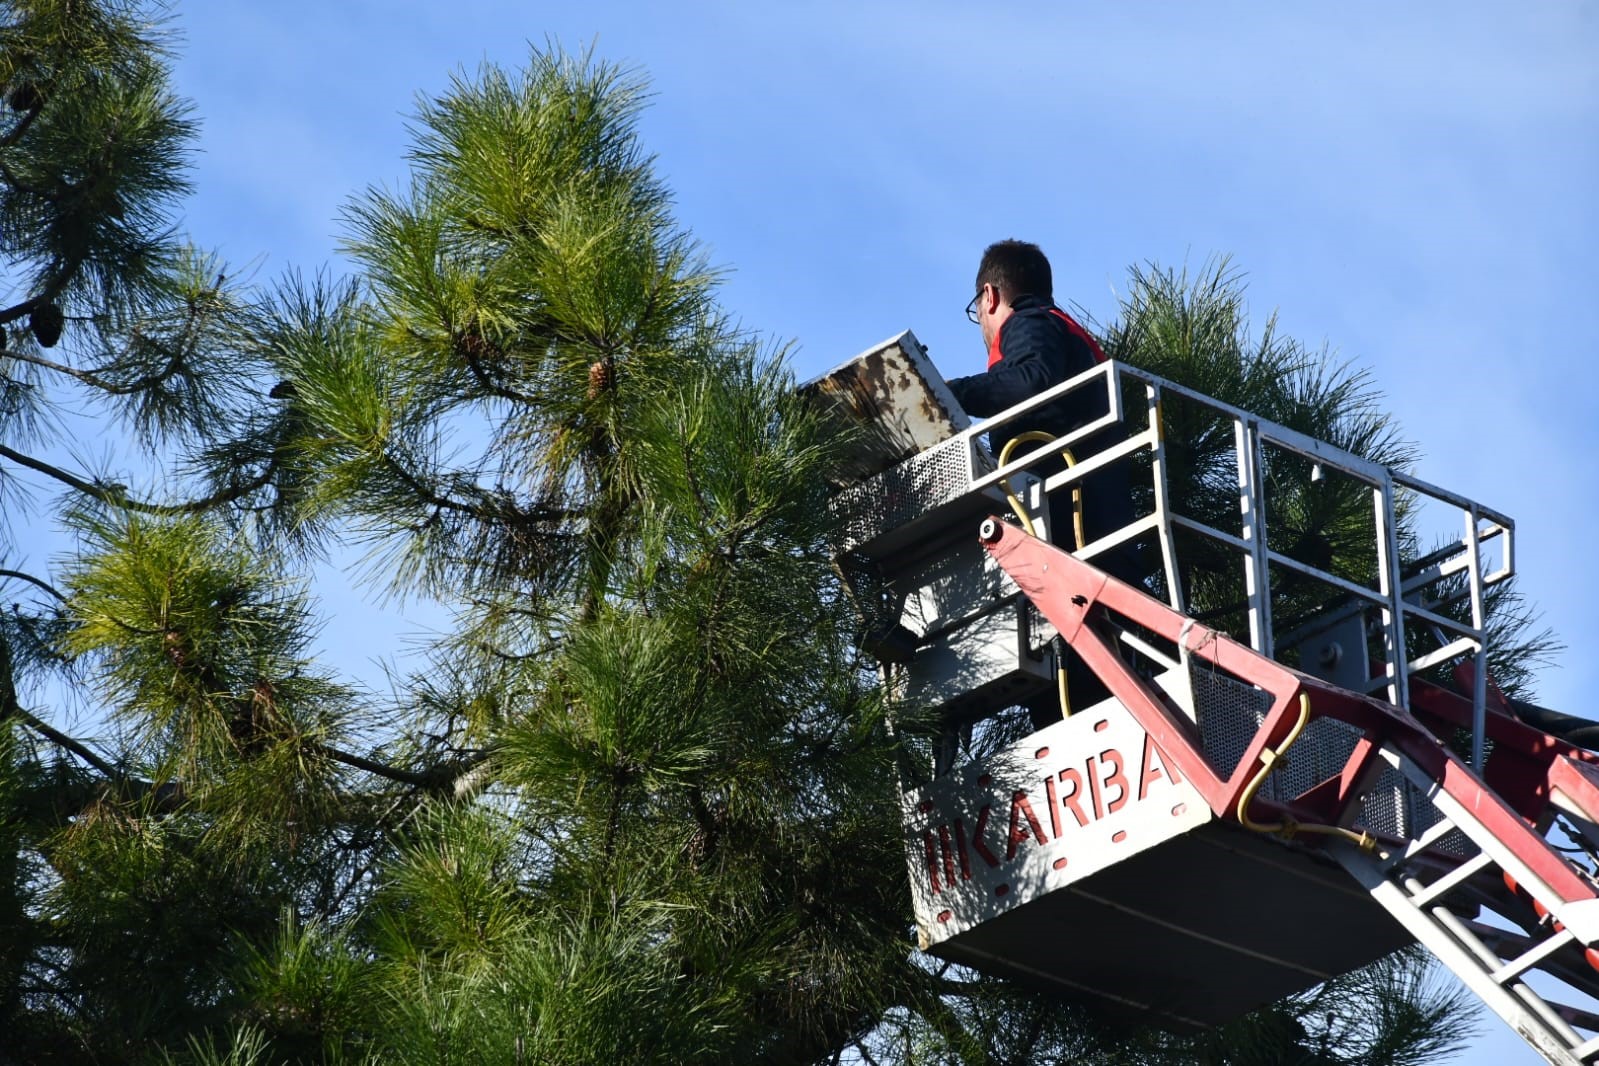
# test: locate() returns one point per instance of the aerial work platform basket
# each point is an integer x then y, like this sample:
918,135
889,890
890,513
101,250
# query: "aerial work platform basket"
1292,760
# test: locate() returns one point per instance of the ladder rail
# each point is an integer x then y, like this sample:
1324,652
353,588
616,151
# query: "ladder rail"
1075,597
1549,1035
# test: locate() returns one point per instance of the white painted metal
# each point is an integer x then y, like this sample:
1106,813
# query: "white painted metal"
1425,911
985,840
1530,1025
988,650
1395,600
1176,596
1479,619
1052,809
1251,503
1389,583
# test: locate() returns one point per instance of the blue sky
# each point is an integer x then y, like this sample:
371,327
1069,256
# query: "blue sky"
1413,185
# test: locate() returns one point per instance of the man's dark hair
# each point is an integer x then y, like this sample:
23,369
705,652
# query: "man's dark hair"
1016,268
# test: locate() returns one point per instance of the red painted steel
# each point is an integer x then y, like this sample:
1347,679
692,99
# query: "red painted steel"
1072,594
1068,591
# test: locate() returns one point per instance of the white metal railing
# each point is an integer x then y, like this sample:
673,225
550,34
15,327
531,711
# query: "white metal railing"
1398,602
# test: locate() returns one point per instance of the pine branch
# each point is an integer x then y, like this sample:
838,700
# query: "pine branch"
10,709
438,777
85,376
15,135
433,497
929,1003
116,496
860,1048
494,388
37,582
51,290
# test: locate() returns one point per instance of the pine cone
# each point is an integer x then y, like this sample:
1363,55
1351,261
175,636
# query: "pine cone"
696,848
256,721
45,323
602,376
475,348
25,96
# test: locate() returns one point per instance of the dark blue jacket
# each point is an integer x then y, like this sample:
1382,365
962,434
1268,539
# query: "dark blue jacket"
1037,348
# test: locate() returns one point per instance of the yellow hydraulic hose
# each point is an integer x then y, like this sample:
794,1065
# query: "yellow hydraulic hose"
1288,827
1039,436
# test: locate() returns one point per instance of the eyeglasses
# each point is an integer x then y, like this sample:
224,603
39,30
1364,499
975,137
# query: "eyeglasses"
971,308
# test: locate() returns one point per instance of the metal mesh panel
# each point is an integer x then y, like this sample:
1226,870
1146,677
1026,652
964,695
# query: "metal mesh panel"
1385,809
1457,843
872,596
1230,712
914,487
1319,753
1418,812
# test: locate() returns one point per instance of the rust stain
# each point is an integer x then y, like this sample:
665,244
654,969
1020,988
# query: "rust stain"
885,393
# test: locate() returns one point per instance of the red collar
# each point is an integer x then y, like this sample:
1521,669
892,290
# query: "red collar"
1072,326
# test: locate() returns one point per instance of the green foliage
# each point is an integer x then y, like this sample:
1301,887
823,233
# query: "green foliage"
640,803
95,160
247,1048
530,272
306,991
1412,1016
113,313
474,968
199,652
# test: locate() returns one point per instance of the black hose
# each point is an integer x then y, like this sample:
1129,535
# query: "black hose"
1583,732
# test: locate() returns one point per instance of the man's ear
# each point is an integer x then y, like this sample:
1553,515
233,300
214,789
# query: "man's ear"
987,299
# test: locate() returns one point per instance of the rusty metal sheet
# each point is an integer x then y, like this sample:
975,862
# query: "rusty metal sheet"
891,401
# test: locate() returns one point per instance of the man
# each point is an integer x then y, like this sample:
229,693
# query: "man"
1032,346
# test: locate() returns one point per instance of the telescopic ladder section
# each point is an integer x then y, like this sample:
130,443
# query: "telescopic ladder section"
1476,853
1495,964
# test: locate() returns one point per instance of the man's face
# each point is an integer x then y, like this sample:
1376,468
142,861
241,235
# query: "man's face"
987,318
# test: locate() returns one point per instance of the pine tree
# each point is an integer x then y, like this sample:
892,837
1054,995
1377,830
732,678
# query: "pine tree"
639,805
